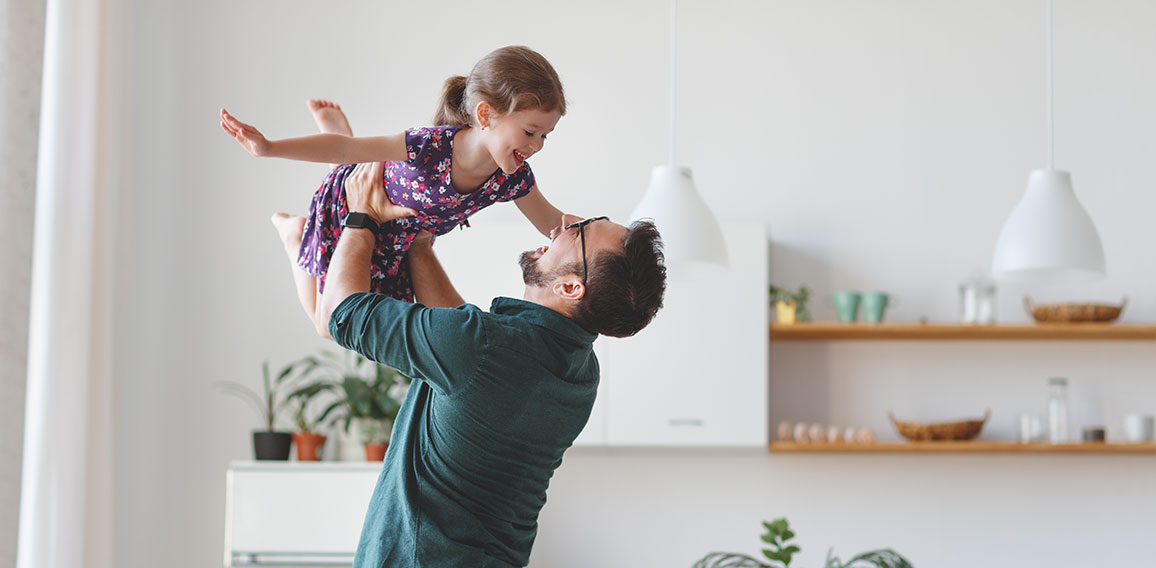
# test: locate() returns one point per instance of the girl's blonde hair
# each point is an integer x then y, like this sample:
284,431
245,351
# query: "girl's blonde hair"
510,79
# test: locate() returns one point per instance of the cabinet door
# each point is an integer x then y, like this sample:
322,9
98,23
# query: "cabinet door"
697,376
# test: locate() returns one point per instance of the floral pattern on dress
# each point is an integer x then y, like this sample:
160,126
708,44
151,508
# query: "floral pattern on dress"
421,183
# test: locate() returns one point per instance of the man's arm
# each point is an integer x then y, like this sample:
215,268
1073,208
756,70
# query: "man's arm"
431,285
440,346
349,267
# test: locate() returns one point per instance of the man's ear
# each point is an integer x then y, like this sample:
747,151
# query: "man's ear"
483,114
569,288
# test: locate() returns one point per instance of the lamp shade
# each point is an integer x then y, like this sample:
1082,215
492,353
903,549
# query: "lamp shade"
689,230
1048,233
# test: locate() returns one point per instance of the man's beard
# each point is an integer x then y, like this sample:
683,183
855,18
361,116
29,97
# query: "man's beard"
532,274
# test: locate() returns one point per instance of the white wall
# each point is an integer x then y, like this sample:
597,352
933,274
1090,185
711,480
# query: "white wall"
882,142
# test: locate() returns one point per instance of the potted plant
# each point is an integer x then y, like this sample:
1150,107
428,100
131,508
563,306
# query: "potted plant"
780,552
268,444
308,438
790,306
368,396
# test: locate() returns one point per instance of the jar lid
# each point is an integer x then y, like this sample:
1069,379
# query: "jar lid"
978,281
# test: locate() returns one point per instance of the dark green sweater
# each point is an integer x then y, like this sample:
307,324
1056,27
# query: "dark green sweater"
498,397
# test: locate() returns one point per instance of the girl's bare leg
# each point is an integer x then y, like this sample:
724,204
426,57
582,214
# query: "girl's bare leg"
330,119
290,228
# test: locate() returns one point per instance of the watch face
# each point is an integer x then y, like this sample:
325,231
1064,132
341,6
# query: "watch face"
359,221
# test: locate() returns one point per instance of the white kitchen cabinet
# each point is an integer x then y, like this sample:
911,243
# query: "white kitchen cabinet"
697,376
296,513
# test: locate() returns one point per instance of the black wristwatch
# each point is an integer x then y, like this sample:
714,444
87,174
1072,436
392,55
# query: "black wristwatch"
355,220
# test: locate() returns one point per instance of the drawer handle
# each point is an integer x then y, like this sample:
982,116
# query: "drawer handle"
685,422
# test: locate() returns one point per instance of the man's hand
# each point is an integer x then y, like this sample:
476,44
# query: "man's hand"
423,239
248,137
364,193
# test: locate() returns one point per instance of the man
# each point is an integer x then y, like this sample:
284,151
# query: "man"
498,396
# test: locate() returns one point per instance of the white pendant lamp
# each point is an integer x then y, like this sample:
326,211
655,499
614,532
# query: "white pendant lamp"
690,231
1049,234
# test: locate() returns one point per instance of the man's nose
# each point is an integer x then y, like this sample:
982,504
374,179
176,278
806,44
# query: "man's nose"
569,219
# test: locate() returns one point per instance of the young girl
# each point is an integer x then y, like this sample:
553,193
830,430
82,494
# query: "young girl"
487,126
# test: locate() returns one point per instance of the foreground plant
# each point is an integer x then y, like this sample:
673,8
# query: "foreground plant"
780,552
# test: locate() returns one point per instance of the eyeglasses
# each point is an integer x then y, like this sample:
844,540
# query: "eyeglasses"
582,235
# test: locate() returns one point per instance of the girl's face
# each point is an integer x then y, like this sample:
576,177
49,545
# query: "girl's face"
514,137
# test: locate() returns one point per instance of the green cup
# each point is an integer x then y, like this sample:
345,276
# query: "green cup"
846,305
874,304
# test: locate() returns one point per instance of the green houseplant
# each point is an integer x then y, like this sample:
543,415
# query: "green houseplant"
790,305
268,444
779,552
368,396
308,438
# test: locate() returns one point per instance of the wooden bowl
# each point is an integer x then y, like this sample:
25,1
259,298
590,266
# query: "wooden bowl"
1074,313
922,431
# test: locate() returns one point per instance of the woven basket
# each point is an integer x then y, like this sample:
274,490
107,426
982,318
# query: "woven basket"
959,430
1074,313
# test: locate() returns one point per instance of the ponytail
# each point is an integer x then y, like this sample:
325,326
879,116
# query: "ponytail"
451,111
510,79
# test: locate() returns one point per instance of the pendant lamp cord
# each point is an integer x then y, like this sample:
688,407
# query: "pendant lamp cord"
1050,79
673,75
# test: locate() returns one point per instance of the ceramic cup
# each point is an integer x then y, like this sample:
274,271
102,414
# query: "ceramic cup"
846,305
1139,427
874,304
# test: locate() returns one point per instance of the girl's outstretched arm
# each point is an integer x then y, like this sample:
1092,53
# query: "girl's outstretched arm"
540,212
325,148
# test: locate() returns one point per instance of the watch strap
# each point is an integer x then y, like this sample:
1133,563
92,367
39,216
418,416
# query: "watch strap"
358,220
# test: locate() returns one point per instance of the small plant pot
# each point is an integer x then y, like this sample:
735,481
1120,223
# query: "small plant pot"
308,445
375,452
269,445
785,312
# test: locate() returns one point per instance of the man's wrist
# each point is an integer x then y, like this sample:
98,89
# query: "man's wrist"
361,220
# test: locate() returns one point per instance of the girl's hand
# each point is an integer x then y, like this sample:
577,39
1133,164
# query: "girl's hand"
364,193
248,137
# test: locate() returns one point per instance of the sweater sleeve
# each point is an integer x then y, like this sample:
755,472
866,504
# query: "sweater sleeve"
442,346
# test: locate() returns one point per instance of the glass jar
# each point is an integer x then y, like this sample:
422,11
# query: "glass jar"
1058,410
977,300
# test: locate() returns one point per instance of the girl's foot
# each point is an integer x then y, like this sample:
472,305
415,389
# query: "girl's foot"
329,117
290,228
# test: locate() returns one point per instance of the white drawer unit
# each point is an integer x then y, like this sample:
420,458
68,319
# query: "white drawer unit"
295,514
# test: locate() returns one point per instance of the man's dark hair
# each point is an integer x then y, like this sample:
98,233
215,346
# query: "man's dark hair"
624,289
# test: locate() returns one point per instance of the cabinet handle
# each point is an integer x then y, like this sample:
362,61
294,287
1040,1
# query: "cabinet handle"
685,422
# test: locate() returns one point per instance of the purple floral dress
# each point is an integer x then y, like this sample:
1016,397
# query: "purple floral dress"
422,183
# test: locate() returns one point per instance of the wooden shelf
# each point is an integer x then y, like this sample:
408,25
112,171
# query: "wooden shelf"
826,331
980,447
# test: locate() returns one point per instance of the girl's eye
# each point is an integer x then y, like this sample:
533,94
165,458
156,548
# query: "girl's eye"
528,133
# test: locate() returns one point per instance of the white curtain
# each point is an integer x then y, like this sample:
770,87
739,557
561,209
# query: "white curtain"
21,54
66,497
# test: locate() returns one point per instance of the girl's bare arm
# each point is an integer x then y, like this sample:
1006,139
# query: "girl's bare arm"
324,148
539,211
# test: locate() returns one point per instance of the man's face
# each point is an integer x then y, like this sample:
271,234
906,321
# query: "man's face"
563,256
